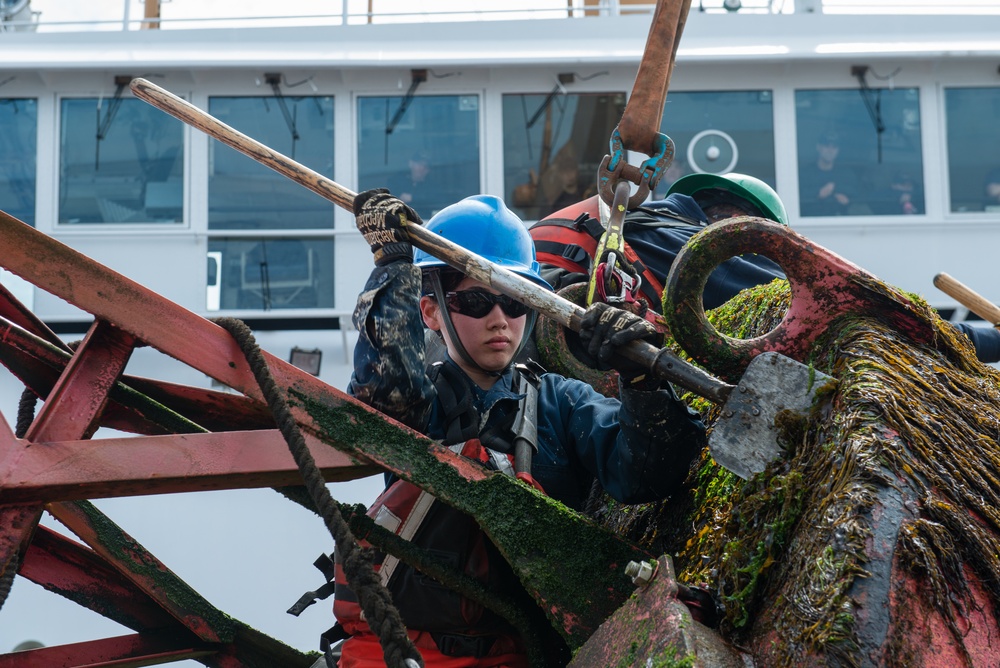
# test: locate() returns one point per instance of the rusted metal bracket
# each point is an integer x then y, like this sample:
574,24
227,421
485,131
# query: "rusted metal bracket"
824,287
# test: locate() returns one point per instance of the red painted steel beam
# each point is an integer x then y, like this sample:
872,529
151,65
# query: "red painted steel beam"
72,408
76,572
38,364
140,649
80,574
16,312
148,573
17,521
70,412
114,467
17,524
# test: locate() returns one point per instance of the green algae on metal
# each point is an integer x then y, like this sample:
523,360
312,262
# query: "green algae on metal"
573,567
126,551
788,551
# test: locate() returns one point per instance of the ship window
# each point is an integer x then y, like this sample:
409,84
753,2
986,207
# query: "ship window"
859,152
244,194
553,145
267,274
717,132
425,149
973,122
120,162
19,120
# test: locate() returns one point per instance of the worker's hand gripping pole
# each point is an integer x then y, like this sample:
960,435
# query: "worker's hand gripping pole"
661,363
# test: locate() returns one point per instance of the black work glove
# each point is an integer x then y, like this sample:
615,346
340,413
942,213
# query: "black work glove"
381,218
604,329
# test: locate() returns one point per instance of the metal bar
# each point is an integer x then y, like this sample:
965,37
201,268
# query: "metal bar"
145,571
17,524
80,574
137,405
135,466
131,651
72,408
17,313
76,572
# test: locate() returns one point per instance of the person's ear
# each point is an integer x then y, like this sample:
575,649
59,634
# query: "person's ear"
431,313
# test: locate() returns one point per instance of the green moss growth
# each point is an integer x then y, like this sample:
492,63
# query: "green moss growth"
541,538
910,426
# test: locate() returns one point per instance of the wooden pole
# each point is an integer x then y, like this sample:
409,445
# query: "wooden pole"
152,14
976,303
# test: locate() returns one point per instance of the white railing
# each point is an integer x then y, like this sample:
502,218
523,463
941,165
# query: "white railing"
61,16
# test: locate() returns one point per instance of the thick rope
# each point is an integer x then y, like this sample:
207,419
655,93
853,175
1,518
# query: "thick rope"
25,416
25,412
7,578
382,616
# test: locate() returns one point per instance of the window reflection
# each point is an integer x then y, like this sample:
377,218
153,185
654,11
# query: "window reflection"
973,131
859,152
718,132
269,274
553,146
428,155
19,120
244,194
120,161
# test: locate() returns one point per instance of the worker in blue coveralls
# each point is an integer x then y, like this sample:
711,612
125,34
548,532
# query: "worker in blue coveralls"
638,447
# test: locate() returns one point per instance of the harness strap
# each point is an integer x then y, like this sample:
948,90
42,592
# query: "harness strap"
460,417
526,424
558,250
325,564
407,530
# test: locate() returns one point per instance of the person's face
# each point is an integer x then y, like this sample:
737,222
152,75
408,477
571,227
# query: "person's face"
491,340
419,170
720,212
828,152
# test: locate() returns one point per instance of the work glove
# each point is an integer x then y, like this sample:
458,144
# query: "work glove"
381,218
604,329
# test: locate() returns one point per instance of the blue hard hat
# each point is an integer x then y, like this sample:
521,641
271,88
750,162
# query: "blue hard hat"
484,225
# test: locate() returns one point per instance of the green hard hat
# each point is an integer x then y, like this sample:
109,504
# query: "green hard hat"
743,186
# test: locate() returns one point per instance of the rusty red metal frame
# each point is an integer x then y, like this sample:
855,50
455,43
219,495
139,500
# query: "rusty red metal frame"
55,465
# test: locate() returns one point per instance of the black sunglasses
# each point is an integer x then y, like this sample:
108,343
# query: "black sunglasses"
478,303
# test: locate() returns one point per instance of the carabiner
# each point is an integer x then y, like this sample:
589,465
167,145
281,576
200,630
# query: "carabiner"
614,168
613,279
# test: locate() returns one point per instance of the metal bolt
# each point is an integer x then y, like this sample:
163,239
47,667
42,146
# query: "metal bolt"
756,411
743,388
641,572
